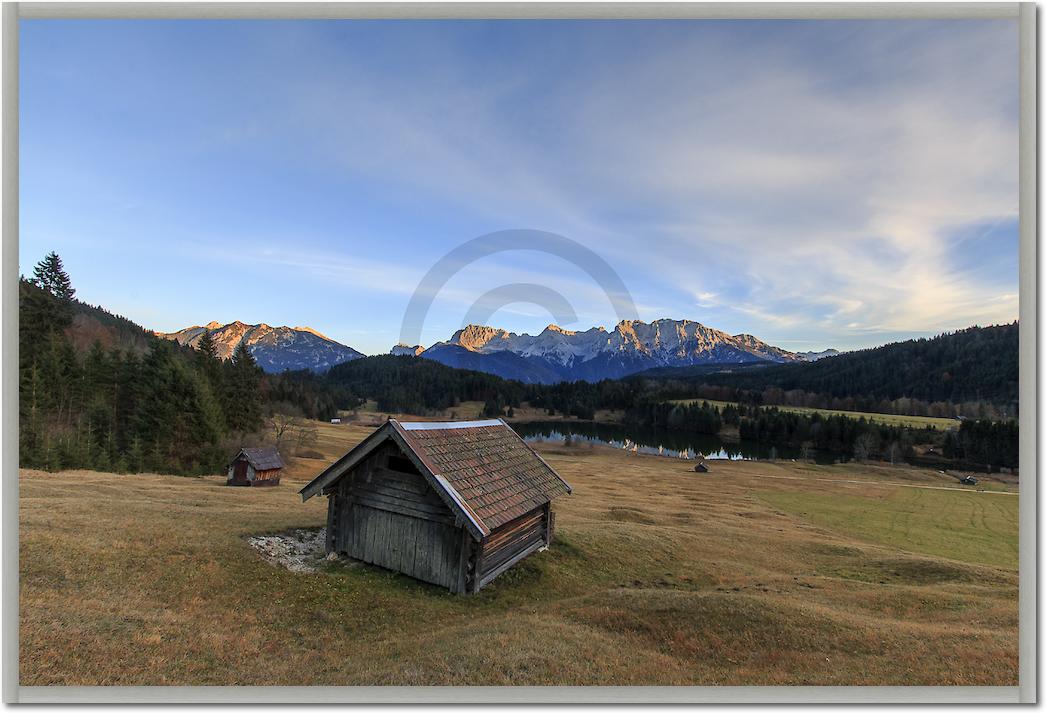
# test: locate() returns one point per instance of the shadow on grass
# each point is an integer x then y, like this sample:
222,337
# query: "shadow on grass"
536,578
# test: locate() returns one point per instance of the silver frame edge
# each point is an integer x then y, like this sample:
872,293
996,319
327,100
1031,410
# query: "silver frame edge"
1026,692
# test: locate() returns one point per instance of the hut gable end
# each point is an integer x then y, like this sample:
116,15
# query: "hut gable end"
391,482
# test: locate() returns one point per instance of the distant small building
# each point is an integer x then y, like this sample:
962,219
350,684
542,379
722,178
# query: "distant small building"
451,503
335,420
701,468
255,466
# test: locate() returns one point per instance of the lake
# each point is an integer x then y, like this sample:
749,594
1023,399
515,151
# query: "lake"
671,444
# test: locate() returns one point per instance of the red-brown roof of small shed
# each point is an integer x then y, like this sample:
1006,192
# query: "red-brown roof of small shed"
261,458
496,475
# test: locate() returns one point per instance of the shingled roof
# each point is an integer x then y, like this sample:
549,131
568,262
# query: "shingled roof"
261,458
483,468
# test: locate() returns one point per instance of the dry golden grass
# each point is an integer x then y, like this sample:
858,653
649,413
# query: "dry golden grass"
744,575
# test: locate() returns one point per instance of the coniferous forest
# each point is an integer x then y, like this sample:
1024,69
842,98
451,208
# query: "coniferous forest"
127,400
972,373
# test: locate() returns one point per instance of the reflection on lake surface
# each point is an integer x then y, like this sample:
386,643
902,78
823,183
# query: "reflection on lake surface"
671,444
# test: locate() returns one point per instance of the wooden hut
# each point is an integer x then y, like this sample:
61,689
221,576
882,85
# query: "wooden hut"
255,466
451,503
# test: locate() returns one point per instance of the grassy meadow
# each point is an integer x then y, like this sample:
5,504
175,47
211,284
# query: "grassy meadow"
753,573
888,419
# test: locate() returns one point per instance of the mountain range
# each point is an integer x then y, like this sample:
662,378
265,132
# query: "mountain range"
557,354
276,349
554,355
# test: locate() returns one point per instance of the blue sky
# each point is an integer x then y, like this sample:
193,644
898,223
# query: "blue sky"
817,184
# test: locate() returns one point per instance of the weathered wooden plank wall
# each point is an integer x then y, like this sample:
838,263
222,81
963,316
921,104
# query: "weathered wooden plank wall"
266,477
393,519
510,543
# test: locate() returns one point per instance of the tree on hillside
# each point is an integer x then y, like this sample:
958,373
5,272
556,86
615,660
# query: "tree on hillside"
291,432
242,357
284,420
243,399
209,364
50,275
41,317
864,446
178,421
205,346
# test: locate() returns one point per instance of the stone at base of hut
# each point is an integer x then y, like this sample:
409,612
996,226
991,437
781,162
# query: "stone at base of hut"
297,550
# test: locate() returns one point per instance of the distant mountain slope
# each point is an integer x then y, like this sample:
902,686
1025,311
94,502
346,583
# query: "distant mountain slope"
404,350
698,371
557,354
814,356
505,364
975,364
276,349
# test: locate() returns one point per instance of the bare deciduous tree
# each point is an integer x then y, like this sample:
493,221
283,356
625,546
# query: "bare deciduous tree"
305,436
290,430
864,446
894,451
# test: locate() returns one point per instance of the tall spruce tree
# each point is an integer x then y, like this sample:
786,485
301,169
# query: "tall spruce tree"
50,275
208,361
205,346
243,402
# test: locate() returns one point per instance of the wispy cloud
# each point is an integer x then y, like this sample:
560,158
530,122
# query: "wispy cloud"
813,183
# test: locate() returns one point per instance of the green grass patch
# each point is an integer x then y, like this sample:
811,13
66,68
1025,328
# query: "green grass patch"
884,418
969,527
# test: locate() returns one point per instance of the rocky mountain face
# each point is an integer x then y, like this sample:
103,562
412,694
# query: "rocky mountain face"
814,356
275,349
404,350
558,354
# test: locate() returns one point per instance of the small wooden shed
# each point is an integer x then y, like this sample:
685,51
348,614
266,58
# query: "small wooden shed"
451,503
255,466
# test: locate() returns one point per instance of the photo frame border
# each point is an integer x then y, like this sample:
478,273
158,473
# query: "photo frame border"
1027,690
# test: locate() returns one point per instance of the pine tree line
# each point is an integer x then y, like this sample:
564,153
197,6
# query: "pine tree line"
972,372
985,443
173,409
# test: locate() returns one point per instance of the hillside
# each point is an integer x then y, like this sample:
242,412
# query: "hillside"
978,364
410,384
91,323
97,390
